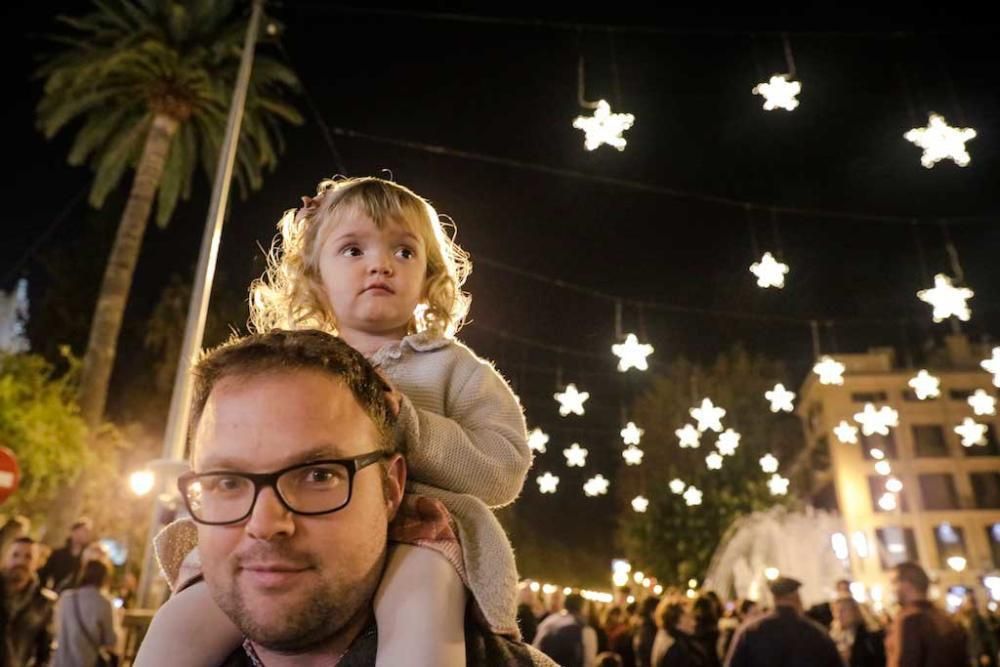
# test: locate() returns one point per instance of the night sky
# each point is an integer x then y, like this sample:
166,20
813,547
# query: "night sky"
498,92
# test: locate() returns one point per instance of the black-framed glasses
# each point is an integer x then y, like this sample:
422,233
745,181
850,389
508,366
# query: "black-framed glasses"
317,487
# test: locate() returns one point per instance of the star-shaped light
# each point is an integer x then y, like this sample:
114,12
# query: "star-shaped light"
708,416
829,370
728,441
947,299
846,433
925,385
677,486
692,496
632,455
887,502
714,461
941,141
883,468
689,436
971,432
547,483
777,485
877,421
781,398
571,400
992,365
769,271
537,440
640,503
631,434
604,127
596,486
575,455
768,463
982,403
632,353
779,92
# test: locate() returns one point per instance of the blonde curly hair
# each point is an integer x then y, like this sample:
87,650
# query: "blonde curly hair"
290,294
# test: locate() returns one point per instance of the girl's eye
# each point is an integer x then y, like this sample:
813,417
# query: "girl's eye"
406,253
351,251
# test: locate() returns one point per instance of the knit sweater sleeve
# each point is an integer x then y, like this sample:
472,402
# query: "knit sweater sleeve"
479,446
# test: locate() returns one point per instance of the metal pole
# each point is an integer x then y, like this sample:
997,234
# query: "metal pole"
180,401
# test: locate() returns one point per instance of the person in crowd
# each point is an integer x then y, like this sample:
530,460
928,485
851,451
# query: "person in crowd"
706,611
13,528
645,632
859,638
85,620
528,609
566,637
26,608
593,615
608,659
620,634
921,635
63,567
675,644
982,641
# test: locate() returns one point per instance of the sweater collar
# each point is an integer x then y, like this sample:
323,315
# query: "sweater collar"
418,342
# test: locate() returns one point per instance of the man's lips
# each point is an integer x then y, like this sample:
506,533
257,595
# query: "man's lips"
271,575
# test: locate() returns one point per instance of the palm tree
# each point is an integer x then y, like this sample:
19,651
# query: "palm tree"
150,82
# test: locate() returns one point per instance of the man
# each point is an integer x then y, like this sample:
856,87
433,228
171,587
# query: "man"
296,477
26,608
921,635
565,637
783,637
63,566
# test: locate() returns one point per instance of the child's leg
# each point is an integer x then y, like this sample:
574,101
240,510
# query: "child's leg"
189,630
420,610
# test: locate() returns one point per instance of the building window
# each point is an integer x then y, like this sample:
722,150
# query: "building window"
885,443
869,397
993,537
986,490
876,485
911,397
895,545
928,440
989,449
959,394
950,542
938,492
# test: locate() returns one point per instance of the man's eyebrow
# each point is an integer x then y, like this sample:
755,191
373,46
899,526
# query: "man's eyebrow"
317,453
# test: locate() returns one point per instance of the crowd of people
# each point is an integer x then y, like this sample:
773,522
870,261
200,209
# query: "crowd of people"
684,629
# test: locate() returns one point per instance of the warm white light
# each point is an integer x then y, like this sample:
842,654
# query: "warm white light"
567,590
877,421
846,433
708,416
768,463
548,589
621,565
956,563
992,365
576,456
692,496
571,400
839,543
631,434
632,456
537,440
596,486
883,468
632,354
947,300
647,582
858,591
604,127
771,573
640,503
971,432
728,441
778,485
860,544
829,370
940,141
887,502
982,403
780,398
630,599
141,482
657,590
692,594
692,583
677,486
893,485
620,579
547,483
714,461
689,436
638,577
778,92
535,586
769,271
876,453
925,385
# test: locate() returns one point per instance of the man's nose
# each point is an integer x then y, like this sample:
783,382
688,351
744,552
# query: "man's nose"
270,518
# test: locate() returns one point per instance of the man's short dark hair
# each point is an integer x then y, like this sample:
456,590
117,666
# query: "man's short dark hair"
913,574
82,522
281,351
95,573
573,603
23,540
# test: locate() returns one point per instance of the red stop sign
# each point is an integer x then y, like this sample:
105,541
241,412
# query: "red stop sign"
10,474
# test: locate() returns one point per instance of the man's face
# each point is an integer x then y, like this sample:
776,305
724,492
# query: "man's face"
20,562
80,536
292,582
902,589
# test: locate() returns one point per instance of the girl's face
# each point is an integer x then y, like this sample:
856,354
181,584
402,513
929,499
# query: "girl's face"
373,279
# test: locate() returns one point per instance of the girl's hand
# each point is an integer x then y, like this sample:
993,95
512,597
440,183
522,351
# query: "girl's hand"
391,393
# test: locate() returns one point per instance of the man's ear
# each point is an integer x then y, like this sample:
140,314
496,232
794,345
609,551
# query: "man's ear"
395,483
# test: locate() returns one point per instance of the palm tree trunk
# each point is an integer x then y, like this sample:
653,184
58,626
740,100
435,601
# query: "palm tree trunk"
107,320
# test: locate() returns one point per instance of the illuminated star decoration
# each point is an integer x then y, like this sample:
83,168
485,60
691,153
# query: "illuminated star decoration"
947,299
640,503
631,434
604,127
714,461
877,421
708,416
677,486
575,455
883,468
632,353
779,93
632,455
689,436
846,433
547,483
893,485
925,385
982,403
768,463
829,370
941,141
571,400
537,440
777,485
596,486
971,432
769,271
781,398
728,442
692,496
887,502
992,365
